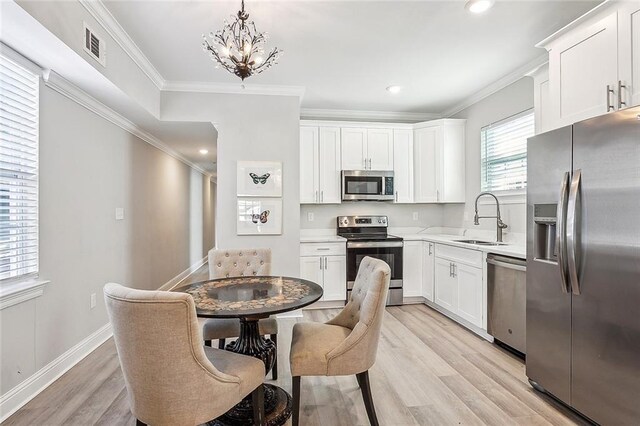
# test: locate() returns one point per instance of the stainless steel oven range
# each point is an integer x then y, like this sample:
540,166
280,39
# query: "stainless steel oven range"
367,236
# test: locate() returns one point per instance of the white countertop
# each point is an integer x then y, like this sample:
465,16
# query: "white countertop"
448,236
509,249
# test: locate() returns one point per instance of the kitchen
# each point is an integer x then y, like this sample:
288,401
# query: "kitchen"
422,213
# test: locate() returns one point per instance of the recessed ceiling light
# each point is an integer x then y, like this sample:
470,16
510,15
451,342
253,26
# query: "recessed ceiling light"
204,151
394,89
479,6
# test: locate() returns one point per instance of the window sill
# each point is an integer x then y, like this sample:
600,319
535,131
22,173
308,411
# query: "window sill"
16,292
505,197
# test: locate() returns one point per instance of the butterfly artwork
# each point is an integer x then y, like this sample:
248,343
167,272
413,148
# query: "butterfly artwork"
259,179
262,217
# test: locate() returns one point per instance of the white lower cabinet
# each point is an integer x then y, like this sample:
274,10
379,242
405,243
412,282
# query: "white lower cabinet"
428,270
459,282
330,272
412,269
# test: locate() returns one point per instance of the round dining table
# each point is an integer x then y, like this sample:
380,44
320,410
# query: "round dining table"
250,299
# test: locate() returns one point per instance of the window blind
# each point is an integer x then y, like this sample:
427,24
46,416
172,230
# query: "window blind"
504,152
18,170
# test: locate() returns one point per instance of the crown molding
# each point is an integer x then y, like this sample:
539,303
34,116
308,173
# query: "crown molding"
100,13
231,88
71,91
355,115
544,44
497,85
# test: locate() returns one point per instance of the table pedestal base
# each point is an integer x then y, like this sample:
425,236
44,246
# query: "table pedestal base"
277,408
277,402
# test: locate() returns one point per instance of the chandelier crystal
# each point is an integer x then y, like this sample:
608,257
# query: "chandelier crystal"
239,48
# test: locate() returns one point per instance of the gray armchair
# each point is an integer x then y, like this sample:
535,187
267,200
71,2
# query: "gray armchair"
348,343
171,378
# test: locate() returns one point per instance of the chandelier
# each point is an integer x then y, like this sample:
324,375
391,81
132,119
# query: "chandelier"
239,47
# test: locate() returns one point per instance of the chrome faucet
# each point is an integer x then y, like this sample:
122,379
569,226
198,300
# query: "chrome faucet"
499,223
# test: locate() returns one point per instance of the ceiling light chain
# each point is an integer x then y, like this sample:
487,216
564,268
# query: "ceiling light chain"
239,48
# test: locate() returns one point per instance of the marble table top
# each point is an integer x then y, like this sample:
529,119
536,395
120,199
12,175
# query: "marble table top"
254,296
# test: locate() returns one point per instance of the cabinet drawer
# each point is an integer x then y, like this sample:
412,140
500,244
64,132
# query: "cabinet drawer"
323,249
457,254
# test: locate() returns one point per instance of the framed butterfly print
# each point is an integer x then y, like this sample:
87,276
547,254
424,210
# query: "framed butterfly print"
259,216
259,179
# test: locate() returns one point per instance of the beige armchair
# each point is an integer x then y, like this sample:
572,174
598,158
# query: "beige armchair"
171,378
348,343
238,263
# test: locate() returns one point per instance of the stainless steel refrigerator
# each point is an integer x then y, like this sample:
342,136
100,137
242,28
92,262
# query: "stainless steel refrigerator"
583,266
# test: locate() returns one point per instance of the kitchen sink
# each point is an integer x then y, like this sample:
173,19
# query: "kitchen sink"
480,242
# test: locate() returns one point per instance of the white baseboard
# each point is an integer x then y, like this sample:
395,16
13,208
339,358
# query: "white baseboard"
28,389
173,282
24,392
413,300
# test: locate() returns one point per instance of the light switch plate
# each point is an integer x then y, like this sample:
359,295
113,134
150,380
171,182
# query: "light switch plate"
93,300
310,217
119,213
415,215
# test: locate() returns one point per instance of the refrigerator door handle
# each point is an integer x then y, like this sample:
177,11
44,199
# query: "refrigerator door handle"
561,234
572,231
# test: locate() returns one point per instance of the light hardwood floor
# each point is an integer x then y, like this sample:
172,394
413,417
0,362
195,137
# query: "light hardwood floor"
429,371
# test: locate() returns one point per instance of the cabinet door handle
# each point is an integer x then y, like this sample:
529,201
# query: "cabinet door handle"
430,253
322,196
621,103
396,196
316,199
326,260
450,269
369,163
609,92
321,264
455,270
365,163
437,195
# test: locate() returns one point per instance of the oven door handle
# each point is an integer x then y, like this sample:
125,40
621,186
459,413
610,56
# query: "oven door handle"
375,244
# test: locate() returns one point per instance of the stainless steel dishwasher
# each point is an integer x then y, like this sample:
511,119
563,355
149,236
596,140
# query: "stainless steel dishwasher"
507,299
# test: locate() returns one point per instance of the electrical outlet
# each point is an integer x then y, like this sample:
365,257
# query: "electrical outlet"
310,217
119,213
93,300
415,215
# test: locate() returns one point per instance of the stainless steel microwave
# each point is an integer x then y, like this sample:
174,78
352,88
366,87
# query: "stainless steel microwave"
367,185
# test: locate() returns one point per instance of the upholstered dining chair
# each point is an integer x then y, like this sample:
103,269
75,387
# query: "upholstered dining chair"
239,263
170,376
348,343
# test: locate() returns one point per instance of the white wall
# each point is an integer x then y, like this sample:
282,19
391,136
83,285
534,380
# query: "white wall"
509,101
400,215
250,127
88,167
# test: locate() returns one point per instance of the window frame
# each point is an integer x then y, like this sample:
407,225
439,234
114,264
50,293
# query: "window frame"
508,196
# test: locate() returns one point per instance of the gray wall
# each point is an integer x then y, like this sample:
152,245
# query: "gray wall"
88,168
400,215
509,101
250,127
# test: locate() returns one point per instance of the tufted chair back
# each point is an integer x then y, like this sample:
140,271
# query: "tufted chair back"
363,315
239,262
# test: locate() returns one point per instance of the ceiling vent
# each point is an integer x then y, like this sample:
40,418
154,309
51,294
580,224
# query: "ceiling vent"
95,46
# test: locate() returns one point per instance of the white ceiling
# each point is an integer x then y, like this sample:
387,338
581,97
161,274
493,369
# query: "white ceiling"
346,52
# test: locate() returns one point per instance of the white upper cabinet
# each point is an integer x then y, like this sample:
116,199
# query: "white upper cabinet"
309,165
439,162
403,165
329,170
354,149
380,149
367,149
541,99
629,53
583,72
319,165
594,66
